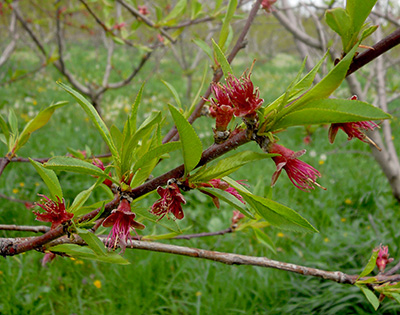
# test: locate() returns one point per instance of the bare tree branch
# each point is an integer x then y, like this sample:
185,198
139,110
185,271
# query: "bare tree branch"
237,259
291,27
15,199
25,228
14,36
146,20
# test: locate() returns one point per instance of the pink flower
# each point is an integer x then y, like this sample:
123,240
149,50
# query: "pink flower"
143,10
267,5
55,212
119,26
237,216
48,257
100,165
302,175
383,257
221,108
352,129
243,96
160,38
170,202
220,184
122,221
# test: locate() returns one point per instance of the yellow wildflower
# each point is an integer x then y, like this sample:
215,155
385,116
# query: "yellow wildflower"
97,284
348,201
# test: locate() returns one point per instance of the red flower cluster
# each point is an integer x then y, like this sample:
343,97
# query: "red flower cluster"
238,97
221,108
170,202
267,5
122,221
244,97
55,212
237,216
383,257
143,10
353,129
302,175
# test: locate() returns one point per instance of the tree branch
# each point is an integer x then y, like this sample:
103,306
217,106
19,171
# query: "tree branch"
237,259
25,202
146,20
25,228
379,48
14,36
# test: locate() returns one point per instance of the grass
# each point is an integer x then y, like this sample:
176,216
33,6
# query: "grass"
354,215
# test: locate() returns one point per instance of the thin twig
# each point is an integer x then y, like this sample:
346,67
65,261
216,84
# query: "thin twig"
204,234
103,26
25,228
145,19
25,202
236,259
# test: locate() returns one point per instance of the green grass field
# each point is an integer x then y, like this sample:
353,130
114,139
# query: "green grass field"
354,215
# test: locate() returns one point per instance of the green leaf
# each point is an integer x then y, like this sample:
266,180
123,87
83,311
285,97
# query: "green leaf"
36,123
225,25
370,265
94,117
326,111
197,96
299,88
396,296
13,121
191,144
371,297
135,107
369,280
359,11
307,81
165,222
195,9
325,87
229,199
70,164
340,21
173,92
77,154
145,165
130,143
117,136
50,179
82,197
225,66
176,11
204,46
156,153
277,214
227,166
4,139
367,32
4,128
264,239
87,253
93,242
